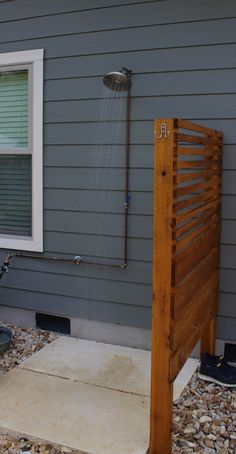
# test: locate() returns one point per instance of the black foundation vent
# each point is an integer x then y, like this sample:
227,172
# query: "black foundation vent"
53,323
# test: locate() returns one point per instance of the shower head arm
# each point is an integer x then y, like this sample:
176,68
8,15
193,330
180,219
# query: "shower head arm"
127,71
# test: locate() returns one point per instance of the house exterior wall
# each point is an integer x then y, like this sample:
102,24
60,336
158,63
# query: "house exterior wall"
182,55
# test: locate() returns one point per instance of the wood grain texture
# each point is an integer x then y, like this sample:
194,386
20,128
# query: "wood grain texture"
185,258
161,387
208,338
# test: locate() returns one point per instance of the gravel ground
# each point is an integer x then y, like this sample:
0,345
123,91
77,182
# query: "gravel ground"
18,444
25,342
204,418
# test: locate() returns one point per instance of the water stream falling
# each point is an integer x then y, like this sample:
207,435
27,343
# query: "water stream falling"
108,171
107,176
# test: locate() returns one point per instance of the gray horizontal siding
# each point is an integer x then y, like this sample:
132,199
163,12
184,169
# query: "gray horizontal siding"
29,9
101,289
89,245
228,256
88,201
178,59
141,132
97,19
94,310
226,328
228,280
228,206
100,224
87,133
227,306
101,179
138,271
229,183
180,12
141,156
143,108
183,59
228,232
202,82
152,37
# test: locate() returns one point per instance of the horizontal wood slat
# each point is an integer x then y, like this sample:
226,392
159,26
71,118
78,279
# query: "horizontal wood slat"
212,151
185,290
178,357
186,190
197,222
196,234
188,322
192,213
188,138
183,177
186,260
211,163
194,200
185,124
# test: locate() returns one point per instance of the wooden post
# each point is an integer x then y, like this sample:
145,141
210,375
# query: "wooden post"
208,338
161,387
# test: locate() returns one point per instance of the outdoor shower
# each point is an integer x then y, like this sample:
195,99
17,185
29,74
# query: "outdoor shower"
121,81
118,81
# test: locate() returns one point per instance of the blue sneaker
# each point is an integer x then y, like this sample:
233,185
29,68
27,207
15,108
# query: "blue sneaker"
216,370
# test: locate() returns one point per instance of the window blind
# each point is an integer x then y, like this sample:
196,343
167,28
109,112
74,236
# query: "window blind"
14,109
15,195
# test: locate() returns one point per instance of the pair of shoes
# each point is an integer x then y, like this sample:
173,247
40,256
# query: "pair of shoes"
216,370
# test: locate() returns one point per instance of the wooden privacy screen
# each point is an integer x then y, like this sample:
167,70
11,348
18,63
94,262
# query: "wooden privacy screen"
187,179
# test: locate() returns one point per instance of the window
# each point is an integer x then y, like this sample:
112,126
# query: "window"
21,166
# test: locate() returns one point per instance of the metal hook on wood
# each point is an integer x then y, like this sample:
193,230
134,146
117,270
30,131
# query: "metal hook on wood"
164,132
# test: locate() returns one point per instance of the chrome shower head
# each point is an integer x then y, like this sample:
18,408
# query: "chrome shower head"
118,80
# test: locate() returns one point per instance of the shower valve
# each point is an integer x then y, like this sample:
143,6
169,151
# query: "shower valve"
77,260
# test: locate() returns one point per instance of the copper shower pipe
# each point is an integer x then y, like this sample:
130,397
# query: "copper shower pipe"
77,260
127,195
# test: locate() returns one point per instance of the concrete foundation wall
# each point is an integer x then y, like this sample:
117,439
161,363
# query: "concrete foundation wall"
109,333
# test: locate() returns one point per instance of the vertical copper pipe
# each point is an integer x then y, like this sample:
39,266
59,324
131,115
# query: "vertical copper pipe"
127,155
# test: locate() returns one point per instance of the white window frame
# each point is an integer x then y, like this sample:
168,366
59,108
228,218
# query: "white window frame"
33,60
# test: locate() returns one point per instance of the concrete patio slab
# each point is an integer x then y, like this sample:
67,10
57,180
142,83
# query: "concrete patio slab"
109,366
93,420
90,396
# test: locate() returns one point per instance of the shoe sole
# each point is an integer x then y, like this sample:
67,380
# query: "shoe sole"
213,380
